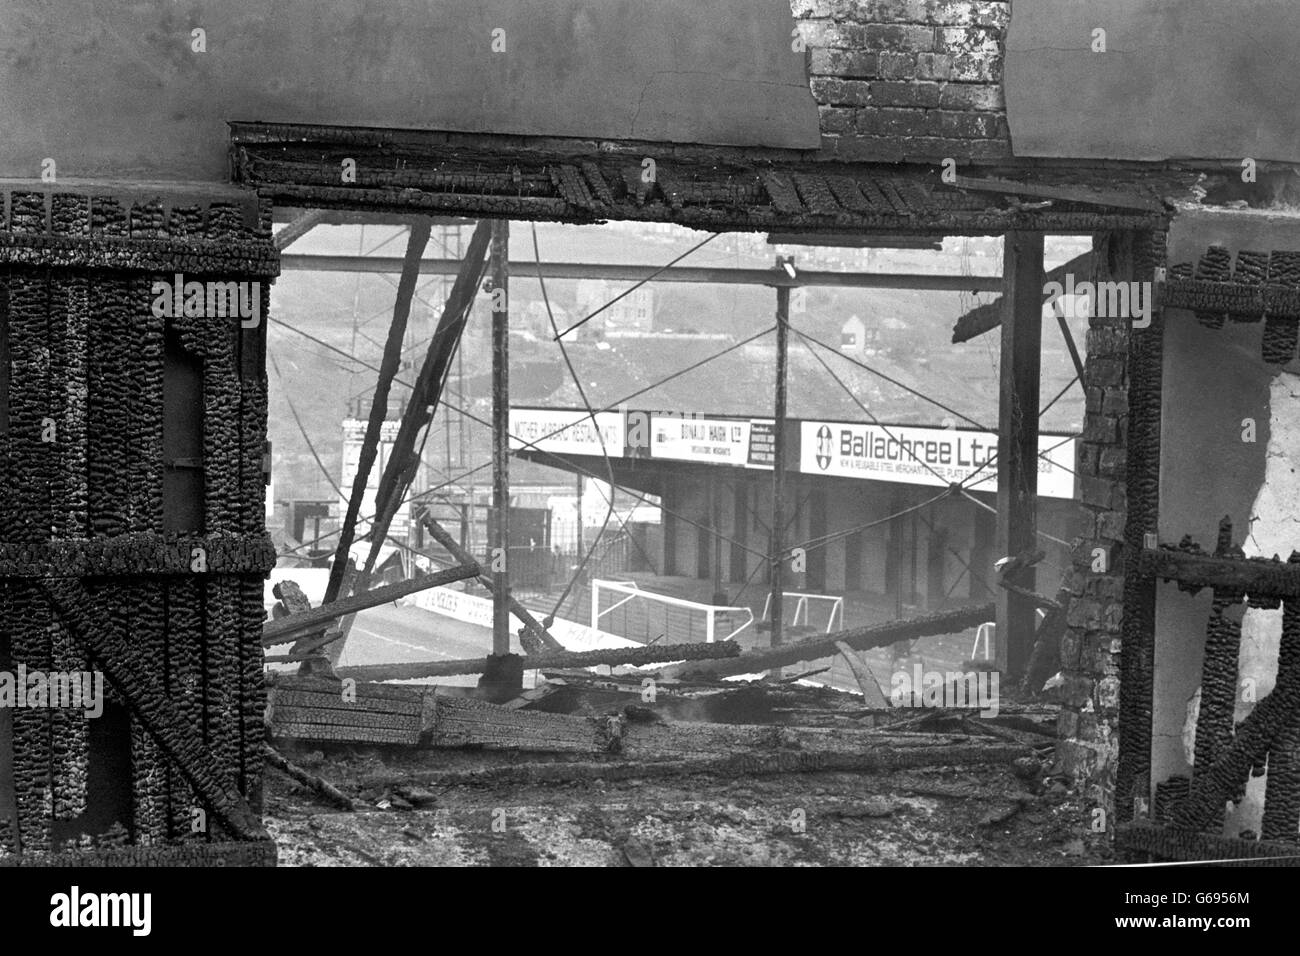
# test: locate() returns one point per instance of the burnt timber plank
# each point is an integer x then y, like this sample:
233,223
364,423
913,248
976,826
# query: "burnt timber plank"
1017,471
316,700
634,656
1257,577
1169,843
334,687
335,717
348,735
466,721
824,645
1074,194
287,629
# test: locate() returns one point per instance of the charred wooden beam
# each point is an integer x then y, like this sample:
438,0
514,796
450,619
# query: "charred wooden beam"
286,629
882,758
403,459
1222,781
1017,462
388,368
298,228
872,693
1281,819
469,722
317,785
612,657
1256,577
987,317
1074,194
824,645
1170,843
1141,355
533,628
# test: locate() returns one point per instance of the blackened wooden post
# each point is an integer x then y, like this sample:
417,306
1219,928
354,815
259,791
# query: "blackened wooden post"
1022,335
778,461
500,437
1135,257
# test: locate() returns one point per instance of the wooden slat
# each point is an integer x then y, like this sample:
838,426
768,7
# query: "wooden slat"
596,180
466,721
1168,843
782,193
318,701
343,734
817,195
376,719
1076,194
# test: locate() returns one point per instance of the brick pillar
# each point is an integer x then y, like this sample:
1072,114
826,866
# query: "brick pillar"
1091,659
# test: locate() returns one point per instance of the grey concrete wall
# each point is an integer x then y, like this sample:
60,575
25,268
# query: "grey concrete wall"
1213,379
852,504
1179,78
114,90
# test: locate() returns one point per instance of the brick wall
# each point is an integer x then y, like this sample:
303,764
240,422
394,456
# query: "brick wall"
1118,468
907,80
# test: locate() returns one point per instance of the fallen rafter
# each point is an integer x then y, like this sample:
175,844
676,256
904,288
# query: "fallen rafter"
824,645
635,656
532,626
287,629
317,785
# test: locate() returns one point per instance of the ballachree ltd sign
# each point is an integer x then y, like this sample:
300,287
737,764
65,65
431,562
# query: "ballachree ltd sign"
925,456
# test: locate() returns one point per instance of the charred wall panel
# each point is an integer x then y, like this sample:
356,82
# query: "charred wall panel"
131,524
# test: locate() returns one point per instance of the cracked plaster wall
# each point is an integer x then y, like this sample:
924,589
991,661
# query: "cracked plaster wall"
1212,381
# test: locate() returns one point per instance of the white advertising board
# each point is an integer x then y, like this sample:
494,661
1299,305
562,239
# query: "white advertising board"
566,432
925,456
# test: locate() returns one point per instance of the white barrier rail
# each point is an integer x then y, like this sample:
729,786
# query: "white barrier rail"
801,606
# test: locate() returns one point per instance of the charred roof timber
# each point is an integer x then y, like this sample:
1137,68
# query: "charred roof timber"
708,188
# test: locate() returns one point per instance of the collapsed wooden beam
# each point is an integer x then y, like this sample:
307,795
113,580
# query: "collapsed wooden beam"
532,626
884,758
987,317
1109,198
388,368
317,785
289,628
824,645
403,459
612,657
871,690
299,227
451,722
